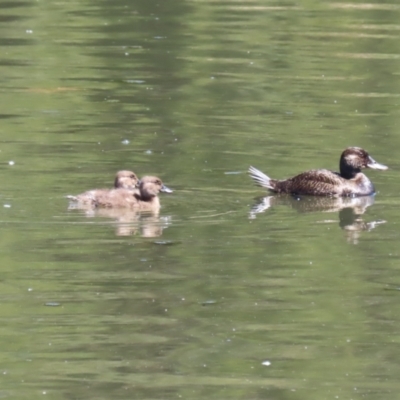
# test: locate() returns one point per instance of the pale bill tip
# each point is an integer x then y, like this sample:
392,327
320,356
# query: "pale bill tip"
376,165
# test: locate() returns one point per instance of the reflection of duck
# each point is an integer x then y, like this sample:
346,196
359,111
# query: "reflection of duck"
350,209
322,182
314,204
126,180
353,224
144,198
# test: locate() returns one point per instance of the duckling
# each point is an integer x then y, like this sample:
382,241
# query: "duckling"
124,180
144,198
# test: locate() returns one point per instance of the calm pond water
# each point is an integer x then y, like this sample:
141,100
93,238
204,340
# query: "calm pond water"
209,299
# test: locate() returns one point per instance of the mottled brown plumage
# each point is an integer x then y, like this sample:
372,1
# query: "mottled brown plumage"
322,182
124,180
145,198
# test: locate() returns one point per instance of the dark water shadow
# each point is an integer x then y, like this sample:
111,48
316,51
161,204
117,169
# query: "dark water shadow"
349,209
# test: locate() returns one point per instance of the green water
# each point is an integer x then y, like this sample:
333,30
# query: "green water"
206,301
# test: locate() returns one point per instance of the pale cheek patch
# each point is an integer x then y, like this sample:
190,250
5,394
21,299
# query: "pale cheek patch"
352,157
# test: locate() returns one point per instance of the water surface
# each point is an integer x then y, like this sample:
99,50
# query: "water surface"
207,300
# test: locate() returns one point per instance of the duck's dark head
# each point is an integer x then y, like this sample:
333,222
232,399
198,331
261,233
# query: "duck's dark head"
126,180
353,159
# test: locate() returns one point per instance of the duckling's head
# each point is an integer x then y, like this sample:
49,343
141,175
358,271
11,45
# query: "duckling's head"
353,159
126,180
150,186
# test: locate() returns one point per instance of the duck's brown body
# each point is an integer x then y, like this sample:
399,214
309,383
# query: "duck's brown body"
322,182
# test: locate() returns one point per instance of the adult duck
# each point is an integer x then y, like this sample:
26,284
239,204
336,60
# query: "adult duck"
349,182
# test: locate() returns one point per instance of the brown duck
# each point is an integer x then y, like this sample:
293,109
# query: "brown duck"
349,182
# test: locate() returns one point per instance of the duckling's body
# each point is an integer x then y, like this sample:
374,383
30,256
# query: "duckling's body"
144,198
125,181
350,182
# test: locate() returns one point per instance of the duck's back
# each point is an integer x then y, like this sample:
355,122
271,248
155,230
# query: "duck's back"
322,182
124,198
115,198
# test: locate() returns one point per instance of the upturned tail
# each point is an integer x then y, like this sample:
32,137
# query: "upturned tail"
260,178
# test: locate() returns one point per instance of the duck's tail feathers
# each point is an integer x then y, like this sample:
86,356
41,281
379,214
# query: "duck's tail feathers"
260,178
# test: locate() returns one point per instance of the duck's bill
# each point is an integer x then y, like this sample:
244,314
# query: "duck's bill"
166,189
374,165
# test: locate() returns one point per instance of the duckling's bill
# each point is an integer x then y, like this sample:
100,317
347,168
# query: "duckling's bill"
166,189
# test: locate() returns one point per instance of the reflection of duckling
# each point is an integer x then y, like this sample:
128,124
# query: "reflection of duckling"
129,222
125,180
322,182
145,198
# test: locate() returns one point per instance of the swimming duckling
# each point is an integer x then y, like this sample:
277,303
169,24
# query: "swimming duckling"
144,198
124,180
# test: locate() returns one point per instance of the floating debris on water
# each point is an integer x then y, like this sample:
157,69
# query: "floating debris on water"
266,363
208,302
52,304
